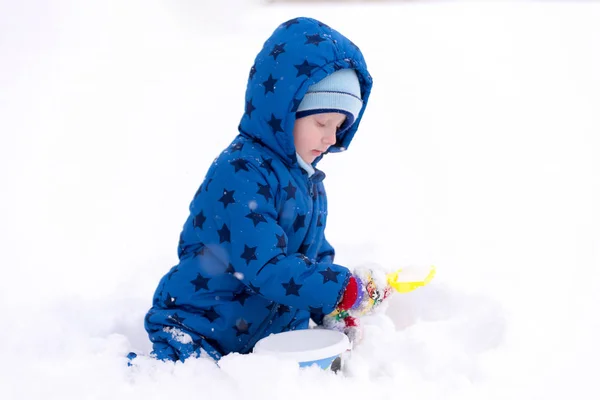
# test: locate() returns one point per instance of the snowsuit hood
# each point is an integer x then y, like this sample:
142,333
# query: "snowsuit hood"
299,53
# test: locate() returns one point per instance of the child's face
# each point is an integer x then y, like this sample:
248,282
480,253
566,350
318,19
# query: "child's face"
315,133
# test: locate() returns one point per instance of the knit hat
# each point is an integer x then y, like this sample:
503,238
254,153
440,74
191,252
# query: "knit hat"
338,92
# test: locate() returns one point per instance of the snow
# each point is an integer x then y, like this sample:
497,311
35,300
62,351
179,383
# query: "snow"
477,154
178,335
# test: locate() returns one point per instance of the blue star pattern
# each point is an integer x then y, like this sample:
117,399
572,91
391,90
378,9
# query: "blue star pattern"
299,222
264,190
291,288
230,269
274,260
200,282
253,257
315,310
277,50
256,218
224,234
227,197
290,190
305,68
249,108
281,242
249,254
266,164
296,104
269,84
211,314
275,124
177,319
199,220
314,39
170,301
237,146
241,327
172,272
239,165
254,289
329,275
304,248
241,297
291,22
282,309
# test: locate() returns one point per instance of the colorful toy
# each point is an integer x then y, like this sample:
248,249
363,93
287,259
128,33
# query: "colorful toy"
404,281
377,287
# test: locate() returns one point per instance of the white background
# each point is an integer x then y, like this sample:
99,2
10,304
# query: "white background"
477,153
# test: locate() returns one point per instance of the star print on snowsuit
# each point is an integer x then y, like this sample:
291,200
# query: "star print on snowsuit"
253,258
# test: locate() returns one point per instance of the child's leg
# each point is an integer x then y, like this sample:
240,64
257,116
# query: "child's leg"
172,344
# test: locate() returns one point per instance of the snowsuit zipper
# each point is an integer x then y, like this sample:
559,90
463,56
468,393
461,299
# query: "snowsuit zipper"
261,330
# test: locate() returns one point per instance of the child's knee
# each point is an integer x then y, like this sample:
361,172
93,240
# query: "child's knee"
172,344
164,352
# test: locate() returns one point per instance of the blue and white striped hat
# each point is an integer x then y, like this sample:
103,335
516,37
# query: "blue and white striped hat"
338,92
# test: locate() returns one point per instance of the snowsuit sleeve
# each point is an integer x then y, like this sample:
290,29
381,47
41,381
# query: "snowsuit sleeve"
327,253
243,210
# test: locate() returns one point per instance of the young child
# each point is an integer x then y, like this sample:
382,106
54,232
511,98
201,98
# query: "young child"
253,258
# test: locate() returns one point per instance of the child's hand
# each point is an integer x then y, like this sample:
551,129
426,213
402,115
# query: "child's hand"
365,292
341,321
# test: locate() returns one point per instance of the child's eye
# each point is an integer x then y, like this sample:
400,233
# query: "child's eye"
320,124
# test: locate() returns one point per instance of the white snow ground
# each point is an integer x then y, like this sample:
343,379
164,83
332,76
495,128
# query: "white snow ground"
478,153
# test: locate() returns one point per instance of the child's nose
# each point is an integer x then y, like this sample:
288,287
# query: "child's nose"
330,139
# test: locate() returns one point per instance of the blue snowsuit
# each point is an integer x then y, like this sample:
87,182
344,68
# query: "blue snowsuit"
253,258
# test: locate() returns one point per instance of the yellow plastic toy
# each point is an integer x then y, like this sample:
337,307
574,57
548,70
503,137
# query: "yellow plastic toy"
406,281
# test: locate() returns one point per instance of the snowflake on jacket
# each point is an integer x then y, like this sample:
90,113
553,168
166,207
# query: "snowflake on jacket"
253,258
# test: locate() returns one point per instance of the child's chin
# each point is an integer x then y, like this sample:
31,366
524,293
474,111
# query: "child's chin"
308,158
